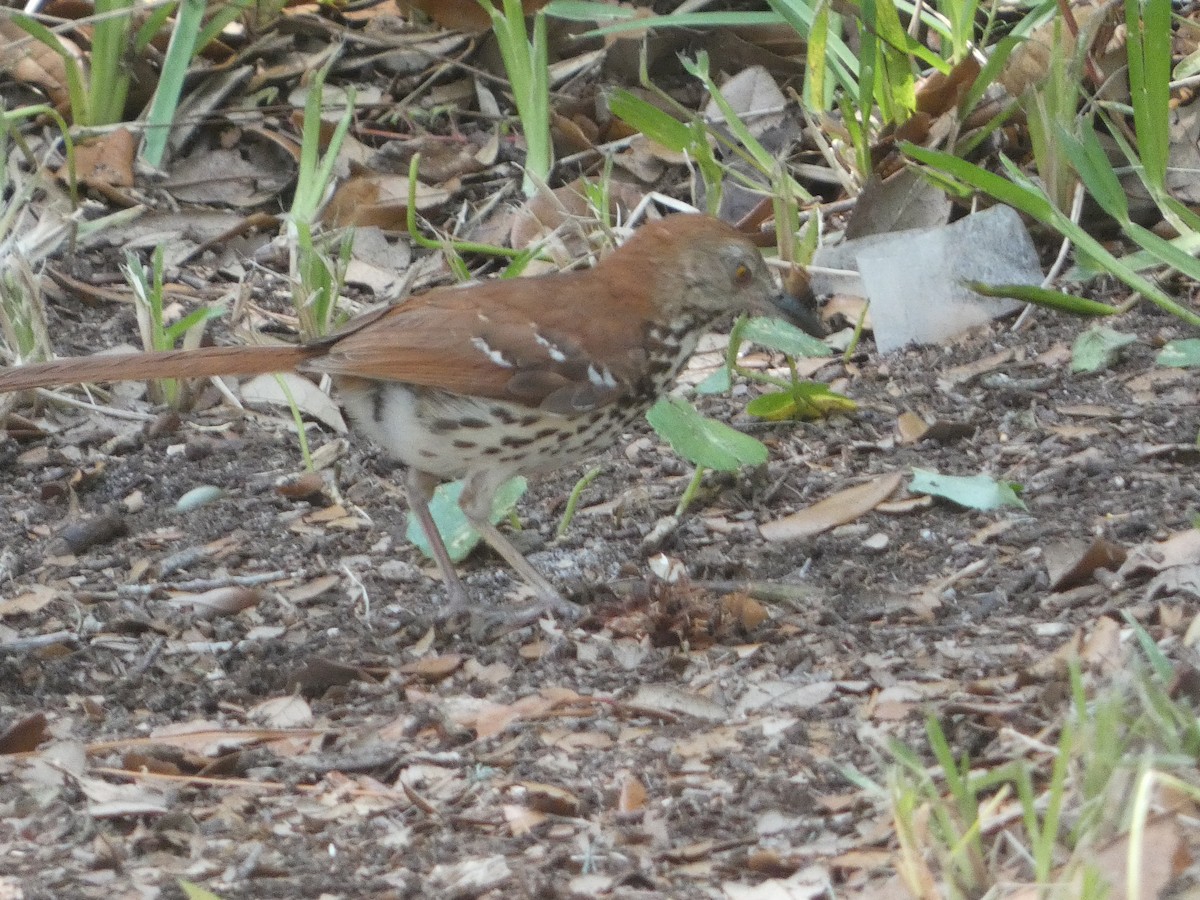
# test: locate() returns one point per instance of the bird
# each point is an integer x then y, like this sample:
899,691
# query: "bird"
500,378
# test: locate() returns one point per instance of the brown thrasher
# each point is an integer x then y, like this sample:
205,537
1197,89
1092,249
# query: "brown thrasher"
503,378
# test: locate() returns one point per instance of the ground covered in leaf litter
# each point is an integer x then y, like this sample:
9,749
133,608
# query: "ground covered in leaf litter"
248,694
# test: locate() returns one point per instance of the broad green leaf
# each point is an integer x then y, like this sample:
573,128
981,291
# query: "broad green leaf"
651,121
1039,296
806,400
776,406
701,441
776,334
1182,354
456,531
1097,348
972,491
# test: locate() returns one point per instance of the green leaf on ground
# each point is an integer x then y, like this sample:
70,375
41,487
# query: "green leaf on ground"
701,441
195,892
776,334
456,531
716,383
972,491
1098,348
807,400
1183,354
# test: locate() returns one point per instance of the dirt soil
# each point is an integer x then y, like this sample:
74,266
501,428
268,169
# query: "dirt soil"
249,695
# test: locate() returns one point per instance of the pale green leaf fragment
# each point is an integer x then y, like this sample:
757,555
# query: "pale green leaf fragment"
460,538
195,892
979,492
1097,348
1182,354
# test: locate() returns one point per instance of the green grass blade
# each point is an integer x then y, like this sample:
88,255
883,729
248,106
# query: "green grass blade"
180,51
1149,53
1039,296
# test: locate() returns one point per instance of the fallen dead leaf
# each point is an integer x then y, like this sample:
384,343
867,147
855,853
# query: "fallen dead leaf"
24,735
632,796
844,506
1071,564
282,712
1179,549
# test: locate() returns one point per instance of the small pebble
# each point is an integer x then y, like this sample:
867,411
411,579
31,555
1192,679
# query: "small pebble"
199,496
878,541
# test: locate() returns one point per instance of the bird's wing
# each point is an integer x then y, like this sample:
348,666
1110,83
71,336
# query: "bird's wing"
539,342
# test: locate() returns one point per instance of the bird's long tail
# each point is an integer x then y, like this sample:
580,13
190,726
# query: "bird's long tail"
201,363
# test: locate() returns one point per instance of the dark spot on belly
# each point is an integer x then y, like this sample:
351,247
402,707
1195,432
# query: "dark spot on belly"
428,454
441,426
472,423
502,415
544,433
490,451
515,442
465,445
530,421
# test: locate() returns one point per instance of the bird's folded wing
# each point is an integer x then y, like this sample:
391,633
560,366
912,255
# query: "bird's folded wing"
504,340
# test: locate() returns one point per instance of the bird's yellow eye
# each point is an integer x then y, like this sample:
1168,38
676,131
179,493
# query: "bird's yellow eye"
741,275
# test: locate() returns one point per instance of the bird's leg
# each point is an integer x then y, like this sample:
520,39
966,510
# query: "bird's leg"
419,486
476,503
478,492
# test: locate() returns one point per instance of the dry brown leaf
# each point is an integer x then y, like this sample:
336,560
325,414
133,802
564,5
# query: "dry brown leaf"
671,700
282,712
968,371
434,668
1180,549
567,214
910,427
521,819
105,161
632,796
224,601
29,602
547,798
138,761
745,610
32,62
301,486
1072,563
905,505
939,93
1164,857
493,718
1029,64
24,735
844,506
380,200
